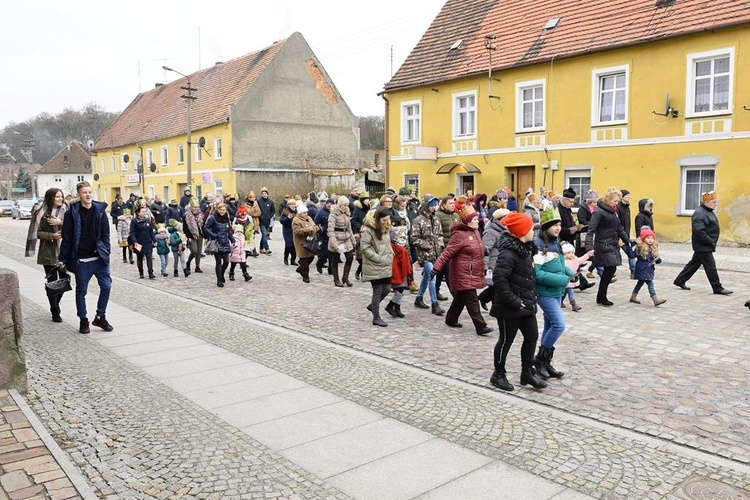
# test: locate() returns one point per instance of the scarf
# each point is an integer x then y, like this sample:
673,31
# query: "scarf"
194,219
36,220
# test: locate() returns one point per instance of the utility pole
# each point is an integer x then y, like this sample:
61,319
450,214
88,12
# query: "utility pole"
189,97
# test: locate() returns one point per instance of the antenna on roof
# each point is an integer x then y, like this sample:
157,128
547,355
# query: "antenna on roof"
491,47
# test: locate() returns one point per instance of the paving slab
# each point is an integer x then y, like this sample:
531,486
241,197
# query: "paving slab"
204,379
237,392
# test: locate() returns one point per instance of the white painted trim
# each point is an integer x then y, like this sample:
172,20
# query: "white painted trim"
520,87
692,58
589,145
418,140
698,161
596,74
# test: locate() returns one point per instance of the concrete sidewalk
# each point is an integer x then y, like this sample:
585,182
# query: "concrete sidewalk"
360,452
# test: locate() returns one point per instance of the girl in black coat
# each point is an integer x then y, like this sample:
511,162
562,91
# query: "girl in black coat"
514,303
142,237
606,226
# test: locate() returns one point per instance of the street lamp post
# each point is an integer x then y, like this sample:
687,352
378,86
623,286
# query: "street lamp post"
189,97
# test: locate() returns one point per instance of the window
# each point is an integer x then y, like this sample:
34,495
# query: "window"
151,192
180,154
217,148
164,156
580,182
218,187
610,95
412,183
124,163
464,115
149,159
530,106
113,163
79,178
103,166
710,76
198,154
696,180
58,178
411,122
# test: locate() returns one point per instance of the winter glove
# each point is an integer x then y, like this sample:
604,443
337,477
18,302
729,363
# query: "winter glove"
658,261
434,273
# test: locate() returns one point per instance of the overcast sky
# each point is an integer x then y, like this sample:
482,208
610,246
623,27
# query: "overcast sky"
57,55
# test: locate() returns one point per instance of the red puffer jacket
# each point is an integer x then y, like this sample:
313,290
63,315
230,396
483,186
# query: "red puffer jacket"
465,251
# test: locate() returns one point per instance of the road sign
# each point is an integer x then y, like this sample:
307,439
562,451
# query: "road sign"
17,190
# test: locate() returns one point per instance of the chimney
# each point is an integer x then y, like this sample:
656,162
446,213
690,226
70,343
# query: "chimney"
157,85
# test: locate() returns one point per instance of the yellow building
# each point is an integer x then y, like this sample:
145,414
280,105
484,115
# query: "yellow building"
270,118
648,95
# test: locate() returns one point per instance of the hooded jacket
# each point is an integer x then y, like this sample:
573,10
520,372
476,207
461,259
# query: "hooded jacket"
427,235
645,215
217,227
377,254
465,251
513,279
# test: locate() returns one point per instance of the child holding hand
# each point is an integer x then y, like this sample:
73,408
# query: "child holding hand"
646,253
573,263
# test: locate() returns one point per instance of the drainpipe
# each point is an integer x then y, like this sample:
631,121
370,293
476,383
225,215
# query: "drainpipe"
385,139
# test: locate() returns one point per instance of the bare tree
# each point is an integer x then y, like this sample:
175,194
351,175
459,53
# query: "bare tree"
372,133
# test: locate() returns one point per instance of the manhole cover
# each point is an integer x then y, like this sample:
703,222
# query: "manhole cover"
701,488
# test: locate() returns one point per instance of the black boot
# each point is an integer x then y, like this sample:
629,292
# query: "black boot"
540,363
198,269
391,309
247,277
419,303
176,273
55,310
549,353
219,283
358,271
231,276
528,378
499,380
436,309
397,308
186,271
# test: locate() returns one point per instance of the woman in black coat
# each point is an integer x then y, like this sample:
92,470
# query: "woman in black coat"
218,228
606,227
514,303
142,237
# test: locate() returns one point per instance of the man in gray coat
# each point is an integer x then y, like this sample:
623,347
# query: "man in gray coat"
705,227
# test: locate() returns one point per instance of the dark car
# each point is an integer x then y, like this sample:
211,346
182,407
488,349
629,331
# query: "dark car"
6,208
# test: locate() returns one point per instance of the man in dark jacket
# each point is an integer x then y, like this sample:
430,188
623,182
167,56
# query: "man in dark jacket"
623,212
705,227
116,210
85,250
645,215
185,199
267,212
447,216
158,210
175,212
321,219
570,227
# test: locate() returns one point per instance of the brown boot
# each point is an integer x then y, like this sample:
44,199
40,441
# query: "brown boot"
336,280
657,300
634,299
345,277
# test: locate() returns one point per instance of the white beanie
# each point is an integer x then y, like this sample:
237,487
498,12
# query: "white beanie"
567,247
343,200
301,207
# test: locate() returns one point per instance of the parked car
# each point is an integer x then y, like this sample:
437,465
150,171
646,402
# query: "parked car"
22,209
6,207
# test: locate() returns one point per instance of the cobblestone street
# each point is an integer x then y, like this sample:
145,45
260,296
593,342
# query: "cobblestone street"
654,400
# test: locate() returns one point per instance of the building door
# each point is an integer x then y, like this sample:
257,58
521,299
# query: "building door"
465,184
520,179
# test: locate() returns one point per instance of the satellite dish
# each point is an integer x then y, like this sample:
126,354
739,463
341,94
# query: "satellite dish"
668,109
87,164
667,106
201,142
96,177
90,144
125,158
152,167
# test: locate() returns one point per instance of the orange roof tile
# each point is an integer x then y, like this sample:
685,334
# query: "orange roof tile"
161,113
520,38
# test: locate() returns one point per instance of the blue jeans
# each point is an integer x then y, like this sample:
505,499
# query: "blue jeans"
554,321
163,260
84,272
649,283
427,281
263,237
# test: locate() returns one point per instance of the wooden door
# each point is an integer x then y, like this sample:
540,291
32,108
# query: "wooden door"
520,179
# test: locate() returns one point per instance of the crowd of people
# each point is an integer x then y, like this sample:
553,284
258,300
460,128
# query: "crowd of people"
517,257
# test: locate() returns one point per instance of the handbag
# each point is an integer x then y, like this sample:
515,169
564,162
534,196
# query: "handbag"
212,247
313,244
58,286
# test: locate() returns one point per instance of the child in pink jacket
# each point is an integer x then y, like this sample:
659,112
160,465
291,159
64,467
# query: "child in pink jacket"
237,256
574,263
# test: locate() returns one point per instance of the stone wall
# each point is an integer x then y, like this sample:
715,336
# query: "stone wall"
12,361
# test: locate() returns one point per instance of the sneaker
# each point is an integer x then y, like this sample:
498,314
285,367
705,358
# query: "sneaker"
84,326
101,322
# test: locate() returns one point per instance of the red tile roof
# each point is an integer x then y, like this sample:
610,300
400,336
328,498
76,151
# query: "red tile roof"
520,38
161,113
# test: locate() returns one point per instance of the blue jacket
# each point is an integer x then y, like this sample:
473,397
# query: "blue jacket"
644,266
71,234
219,231
321,219
142,232
286,228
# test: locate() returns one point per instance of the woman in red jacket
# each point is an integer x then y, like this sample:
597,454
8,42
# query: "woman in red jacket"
465,251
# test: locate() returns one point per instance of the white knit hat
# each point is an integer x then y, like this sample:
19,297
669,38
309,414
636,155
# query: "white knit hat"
343,200
301,207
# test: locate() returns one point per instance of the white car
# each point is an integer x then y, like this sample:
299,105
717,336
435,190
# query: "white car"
23,209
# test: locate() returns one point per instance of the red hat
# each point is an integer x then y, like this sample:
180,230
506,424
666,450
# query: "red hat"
646,232
518,224
241,210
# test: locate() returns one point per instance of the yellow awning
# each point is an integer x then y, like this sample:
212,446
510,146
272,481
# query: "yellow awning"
468,168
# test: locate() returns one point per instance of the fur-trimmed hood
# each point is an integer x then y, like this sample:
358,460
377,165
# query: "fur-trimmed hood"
517,246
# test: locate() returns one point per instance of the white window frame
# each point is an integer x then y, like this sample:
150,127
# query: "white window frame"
520,88
692,164
411,123
198,154
151,191
696,57
596,77
180,154
218,187
164,156
217,148
103,166
459,113
149,159
124,165
579,173
113,163
412,180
